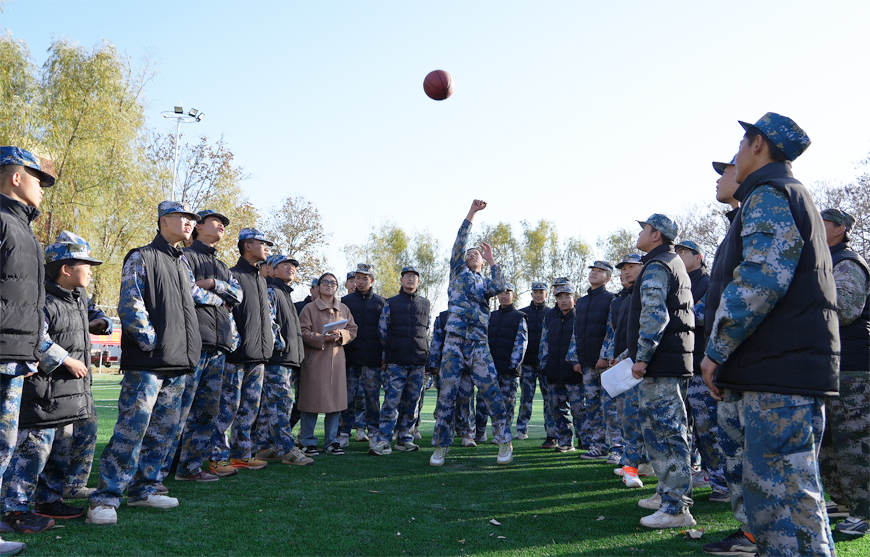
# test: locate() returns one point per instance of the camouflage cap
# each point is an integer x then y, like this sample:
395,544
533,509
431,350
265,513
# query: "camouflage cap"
365,268
350,275
559,281
839,217
565,288
70,246
253,234
278,258
663,224
783,132
689,244
509,286
720,167
205,213
314,283
269,259
171,207
10,155
603,265
539,286
410,269
631,258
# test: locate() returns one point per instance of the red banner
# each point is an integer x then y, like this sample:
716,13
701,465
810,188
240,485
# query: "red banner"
108,340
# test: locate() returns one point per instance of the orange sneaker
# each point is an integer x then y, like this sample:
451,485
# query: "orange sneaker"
249,463
221,468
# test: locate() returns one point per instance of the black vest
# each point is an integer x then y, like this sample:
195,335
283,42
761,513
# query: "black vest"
854,337
288,322
57,398
700,282
503,327
560,327
408,334
365,350
590,326
302,304
796,349
619,310
22,274
214,321
673,356
253,317
535,320
171,311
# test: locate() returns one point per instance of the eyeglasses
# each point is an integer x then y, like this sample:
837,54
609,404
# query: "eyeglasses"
328,283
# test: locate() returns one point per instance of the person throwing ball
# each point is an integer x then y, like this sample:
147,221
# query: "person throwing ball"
465,344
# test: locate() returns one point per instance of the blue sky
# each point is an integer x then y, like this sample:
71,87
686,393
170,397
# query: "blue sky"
589,114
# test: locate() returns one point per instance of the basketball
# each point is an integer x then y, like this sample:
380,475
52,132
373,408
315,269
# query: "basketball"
438,85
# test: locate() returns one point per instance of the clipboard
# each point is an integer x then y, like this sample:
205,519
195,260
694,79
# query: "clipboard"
334,326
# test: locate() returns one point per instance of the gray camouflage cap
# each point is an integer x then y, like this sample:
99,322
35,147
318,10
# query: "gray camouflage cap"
720,167
565,288
70,246
663,224
631,258
689,244
840,218
171,207
791,139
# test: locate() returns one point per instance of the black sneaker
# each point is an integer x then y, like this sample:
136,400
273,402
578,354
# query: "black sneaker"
27,522
735,544
58,509
334,448
310,450
549,443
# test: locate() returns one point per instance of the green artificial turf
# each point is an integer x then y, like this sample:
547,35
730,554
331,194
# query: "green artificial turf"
546,503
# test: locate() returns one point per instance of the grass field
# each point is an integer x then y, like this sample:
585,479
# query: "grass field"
547,504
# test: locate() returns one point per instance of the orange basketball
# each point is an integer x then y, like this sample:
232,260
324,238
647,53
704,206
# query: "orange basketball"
438,85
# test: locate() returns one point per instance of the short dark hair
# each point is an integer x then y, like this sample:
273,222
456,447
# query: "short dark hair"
325,275
241,245
776,154
666,241
53,269
8,170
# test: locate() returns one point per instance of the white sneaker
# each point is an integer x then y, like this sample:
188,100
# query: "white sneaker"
700,479
646,470
11,548
521,436
361,435
417,435
631,480
505,453
652,503
468,442
438,456
661,519
344,440
155,502
618,471
102,514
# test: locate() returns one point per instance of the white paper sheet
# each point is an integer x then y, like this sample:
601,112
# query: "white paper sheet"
335,325
619,379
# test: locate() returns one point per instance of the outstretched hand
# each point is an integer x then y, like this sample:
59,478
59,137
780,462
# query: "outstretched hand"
486,253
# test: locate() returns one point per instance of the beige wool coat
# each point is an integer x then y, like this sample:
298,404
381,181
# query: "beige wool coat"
323,383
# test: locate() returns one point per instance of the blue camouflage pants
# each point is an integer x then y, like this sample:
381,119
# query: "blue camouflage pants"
359,417
199,408
662,403
634,452
594,422
461,354
273,422
732,437
528,383
781,486
31,477
612,420
706,431
508,387
239,405
74,453
845,456
569,407
464,421
10,398
148,414
367,378
402,388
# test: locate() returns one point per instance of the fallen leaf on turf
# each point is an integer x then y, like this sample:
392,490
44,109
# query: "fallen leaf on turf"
57,537
600,518
398,533
372,491
461,541
502,538
495,522
693,534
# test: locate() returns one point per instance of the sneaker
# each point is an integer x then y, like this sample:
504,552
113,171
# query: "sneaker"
381,449
505,453
102,514
77,492
310,450
720,496
221,468
700,479
549,443
630,479
334,449
652,503
439,455
481,440
735,544
296,456
249,463
614,457
468,442
417,435
564,448
344,440
853,526
661,519
521,435
201,476
27,522
268,454
58,509
361,435
835,510
161,489
407,446
11,548
619,471
595,453
646,470
154,502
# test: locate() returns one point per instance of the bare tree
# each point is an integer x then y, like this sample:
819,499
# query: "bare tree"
296,227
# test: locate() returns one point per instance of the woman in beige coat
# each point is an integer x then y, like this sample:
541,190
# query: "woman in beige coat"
323,384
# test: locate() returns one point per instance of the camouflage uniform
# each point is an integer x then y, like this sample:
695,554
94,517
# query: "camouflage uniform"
732,433
567,401
507,385
532,375
601,420
366,382
466,347
273,430
464,399
11,384
33,476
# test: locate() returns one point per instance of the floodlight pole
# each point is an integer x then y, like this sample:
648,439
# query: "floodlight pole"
180,117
